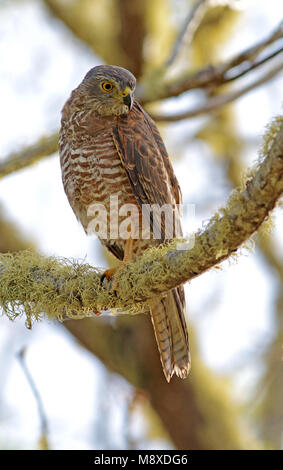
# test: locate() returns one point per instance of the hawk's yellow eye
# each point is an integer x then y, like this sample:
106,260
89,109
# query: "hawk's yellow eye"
106,86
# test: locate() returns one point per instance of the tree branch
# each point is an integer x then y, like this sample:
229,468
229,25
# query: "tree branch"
218,101
28,156
191,23
198,413
63,288
214,76
209,76
128,347
132,15
10,238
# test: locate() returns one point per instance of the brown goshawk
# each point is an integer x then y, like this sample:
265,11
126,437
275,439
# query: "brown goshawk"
110,148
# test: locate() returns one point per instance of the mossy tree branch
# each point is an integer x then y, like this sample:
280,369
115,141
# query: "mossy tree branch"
202,415
127,347
264,407
70,289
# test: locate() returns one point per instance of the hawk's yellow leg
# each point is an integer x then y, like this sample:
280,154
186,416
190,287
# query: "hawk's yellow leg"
112,273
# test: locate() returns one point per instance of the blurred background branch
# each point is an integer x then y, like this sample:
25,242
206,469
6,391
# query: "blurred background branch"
28,156
190,25
213,76
220,100
43,442
207,78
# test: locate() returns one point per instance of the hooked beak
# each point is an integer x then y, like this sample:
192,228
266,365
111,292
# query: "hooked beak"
128,101
127,97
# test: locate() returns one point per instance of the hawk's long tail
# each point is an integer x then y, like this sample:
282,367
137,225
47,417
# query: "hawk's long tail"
171,333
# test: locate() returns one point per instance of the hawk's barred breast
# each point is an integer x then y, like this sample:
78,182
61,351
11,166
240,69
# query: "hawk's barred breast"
92,172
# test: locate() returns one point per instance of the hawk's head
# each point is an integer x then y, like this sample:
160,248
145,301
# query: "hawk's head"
109,89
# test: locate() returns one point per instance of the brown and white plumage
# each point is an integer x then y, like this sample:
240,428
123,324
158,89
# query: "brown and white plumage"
110,146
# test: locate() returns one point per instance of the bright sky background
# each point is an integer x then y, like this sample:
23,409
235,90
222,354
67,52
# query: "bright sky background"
40,64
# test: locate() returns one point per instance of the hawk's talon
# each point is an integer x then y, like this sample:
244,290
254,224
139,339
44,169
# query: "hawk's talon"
109,274
96,312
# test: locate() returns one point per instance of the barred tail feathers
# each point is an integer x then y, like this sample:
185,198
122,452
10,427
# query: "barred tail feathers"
171,333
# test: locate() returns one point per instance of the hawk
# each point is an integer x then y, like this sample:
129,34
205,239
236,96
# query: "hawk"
110,147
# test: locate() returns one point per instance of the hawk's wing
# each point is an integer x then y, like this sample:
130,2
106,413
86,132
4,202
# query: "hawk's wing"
146,161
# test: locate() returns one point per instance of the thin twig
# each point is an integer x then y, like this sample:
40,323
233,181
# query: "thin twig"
188,29
36,394
230,76
218,101
253,51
